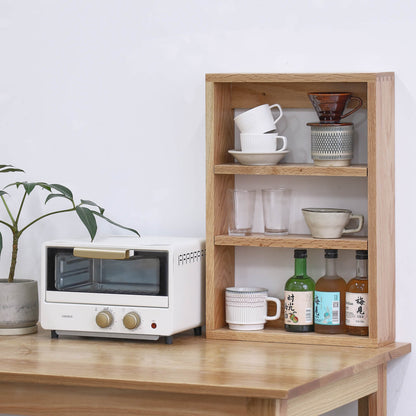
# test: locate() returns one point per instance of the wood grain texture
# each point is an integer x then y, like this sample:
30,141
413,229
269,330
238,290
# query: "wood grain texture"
193,376
52,400
375,404
292,241
381,215
219,260
320,78
191,365
274,333
337,394
289,95
292,169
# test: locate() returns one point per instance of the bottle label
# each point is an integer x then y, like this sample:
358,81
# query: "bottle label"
298,308
356,309
327,308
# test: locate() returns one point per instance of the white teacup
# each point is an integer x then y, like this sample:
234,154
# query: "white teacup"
261,142
246,308
331,222
258,119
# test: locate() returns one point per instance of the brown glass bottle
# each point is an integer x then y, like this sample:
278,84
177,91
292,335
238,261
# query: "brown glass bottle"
356,318
329,302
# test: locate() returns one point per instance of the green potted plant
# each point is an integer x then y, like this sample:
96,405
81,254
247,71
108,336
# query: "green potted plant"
19,297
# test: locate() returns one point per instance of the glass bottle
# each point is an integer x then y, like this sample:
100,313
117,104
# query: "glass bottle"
330,298
299,291
356,298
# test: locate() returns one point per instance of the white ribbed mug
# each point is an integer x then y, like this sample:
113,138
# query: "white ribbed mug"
246,308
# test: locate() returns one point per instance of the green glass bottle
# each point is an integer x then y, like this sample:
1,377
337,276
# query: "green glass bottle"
299,296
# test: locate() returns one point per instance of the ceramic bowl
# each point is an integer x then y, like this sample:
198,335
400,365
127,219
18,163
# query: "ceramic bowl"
259,159
331,222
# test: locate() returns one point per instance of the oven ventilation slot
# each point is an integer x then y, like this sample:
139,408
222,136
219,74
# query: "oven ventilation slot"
191,257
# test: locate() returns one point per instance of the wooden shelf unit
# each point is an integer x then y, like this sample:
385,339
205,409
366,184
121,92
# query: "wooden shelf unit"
226,92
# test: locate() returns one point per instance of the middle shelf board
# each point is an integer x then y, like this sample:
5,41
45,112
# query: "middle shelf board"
292,241
294,169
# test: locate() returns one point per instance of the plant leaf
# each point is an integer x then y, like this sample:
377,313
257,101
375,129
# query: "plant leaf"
88,219
87,202
9,168
114,223
63,190
3,193
1,243
30,186
50,196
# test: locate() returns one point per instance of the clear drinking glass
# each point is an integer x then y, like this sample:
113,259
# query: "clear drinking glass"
241,211
276,210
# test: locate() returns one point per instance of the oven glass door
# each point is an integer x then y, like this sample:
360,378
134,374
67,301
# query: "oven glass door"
140,272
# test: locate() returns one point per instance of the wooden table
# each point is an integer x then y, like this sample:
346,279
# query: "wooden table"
194,376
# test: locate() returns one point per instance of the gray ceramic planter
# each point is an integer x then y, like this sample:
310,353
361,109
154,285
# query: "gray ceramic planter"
19,307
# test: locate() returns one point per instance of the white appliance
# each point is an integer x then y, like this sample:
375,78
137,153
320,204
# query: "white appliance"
123,287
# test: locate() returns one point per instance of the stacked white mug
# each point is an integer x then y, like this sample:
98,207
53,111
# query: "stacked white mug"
258,132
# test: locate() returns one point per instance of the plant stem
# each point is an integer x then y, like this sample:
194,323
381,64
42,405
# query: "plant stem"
7,209
14,256
20,208
5,223
44,216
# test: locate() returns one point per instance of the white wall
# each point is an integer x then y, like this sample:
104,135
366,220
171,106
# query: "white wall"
107,97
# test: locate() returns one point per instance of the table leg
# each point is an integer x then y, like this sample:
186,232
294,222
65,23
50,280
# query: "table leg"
376,404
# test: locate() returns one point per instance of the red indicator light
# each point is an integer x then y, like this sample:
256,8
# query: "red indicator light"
153,325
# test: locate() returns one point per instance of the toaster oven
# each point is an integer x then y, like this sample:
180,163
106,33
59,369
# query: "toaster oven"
123,287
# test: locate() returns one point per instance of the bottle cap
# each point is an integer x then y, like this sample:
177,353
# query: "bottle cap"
300,254
331,254
361,254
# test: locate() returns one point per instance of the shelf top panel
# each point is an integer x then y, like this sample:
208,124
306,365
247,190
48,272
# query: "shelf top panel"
292,241
322,77
291,169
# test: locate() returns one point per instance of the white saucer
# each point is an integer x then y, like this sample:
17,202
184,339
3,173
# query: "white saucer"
259,159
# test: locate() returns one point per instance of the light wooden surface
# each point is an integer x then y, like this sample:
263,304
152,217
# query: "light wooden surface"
292,241
225,92
303,78
193,376
381,212
293,169
274,332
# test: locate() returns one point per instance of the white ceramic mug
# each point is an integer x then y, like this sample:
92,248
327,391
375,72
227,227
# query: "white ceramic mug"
331,222
246,308
258,119
261,142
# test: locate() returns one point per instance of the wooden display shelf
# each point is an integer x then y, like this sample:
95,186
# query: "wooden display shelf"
292,241
227,92
283,336
293,169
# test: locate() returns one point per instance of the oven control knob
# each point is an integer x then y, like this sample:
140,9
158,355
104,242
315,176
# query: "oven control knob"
104,319
131,320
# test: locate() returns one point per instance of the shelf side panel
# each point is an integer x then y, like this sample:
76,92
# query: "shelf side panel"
381,211
219,260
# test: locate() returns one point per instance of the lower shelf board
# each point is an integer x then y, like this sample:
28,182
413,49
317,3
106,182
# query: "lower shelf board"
292,241
282,336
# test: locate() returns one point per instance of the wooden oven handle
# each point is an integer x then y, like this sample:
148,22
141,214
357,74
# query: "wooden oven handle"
99,253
